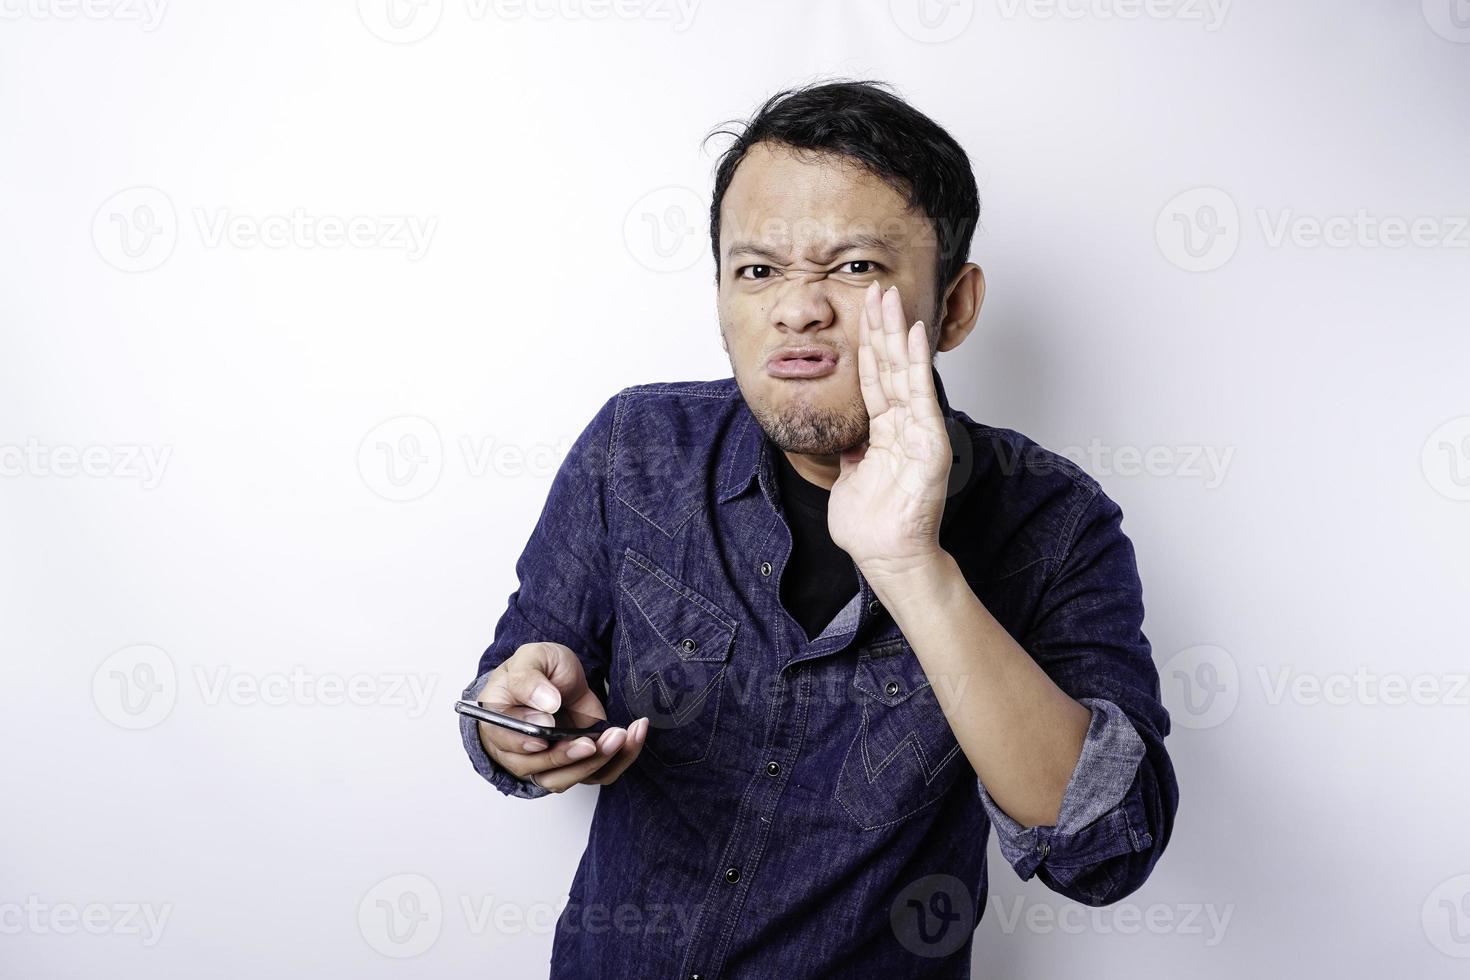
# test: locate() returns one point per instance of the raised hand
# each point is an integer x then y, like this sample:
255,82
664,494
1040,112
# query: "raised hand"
886,504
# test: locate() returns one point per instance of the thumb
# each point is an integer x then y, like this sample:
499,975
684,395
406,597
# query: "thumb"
546,676
849,458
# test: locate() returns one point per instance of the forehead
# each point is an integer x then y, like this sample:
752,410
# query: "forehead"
781,196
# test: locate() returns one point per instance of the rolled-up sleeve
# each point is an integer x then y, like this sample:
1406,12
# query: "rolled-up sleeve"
1118,808
565,591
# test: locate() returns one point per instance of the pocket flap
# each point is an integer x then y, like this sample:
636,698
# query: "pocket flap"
691,626
889,672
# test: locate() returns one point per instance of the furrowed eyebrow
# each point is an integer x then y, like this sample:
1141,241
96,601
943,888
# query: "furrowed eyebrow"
861,241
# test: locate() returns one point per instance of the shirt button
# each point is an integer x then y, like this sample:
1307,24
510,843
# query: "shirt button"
689,645
732,875
765,568
773,768
696,976
873,607
892,688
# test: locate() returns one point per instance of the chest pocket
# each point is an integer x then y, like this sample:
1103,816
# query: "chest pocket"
904,756
674,645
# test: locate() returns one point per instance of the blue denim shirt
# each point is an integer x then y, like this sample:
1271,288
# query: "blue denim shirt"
801,808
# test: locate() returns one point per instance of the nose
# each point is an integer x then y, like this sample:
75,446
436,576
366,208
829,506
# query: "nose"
802,302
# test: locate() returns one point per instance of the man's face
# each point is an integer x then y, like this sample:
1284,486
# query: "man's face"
796,255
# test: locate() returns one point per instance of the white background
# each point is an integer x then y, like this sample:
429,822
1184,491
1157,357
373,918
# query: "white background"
1296,590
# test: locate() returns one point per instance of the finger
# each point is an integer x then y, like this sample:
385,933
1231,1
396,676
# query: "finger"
508,741
873,397
923,401
561,753
637,735
895,339
497,694
527,682
545,675
560,778
874,305
548,676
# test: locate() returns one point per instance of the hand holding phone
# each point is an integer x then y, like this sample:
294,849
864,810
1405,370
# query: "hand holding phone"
566,724
523,698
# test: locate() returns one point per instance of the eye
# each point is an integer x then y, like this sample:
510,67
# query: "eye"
740,272
861,267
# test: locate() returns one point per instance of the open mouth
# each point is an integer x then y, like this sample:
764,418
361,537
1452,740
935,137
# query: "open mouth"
802,364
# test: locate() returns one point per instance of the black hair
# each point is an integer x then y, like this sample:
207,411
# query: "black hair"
890,138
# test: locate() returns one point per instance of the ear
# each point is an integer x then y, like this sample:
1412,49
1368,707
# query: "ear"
961,307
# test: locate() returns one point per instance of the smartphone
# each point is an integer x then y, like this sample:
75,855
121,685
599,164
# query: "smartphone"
568,725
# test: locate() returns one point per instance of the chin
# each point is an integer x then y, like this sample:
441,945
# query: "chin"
811,431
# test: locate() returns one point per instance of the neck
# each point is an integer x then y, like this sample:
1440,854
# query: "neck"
820,470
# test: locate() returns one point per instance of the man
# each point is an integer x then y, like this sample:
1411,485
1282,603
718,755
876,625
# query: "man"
852,628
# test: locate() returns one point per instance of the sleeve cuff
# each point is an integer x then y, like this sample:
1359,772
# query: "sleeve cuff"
497,775
1110,757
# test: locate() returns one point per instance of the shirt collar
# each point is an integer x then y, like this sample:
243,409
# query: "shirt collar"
744,461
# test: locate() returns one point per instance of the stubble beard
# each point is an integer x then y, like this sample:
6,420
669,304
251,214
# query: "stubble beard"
796,425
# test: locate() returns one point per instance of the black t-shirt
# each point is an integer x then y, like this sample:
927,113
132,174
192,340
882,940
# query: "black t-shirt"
820,578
